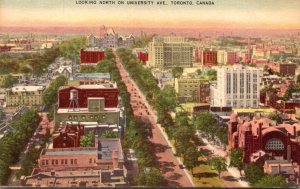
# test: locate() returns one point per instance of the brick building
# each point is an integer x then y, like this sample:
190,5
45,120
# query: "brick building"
204,92
101,165
91,56
142,56
68,136
209,58
232,58
107,91
285,69
281,141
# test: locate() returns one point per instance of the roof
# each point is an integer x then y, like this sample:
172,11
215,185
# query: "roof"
70,151
95,86
27,88
106,146
84,110
92,76
110,31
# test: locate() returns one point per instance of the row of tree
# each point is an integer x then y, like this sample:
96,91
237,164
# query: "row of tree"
14,142
35,64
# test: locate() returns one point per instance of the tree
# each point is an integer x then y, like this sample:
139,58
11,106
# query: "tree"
206,123
199,71
190,158
236,159
167,100
269,181
298,78
50,94
9,81
108,134
218,164
253,173
87,140
275,117
151,178
177,72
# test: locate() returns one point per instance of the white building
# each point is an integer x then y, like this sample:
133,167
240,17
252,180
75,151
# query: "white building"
237,86
222,57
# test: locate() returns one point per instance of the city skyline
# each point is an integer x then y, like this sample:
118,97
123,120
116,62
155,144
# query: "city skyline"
269,14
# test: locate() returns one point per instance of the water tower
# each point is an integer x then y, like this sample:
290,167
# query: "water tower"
74,105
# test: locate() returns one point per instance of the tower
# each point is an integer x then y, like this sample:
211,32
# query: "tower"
74,105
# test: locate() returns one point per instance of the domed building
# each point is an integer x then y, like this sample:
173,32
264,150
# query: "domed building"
261,134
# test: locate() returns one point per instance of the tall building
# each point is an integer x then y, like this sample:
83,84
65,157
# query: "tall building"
221,57
170,52
237,86
209,58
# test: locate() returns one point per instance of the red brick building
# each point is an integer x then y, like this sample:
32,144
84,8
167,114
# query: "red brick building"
285,69
68,137
91,56
107,91
261,134
142,56
204,93
209,58
232,58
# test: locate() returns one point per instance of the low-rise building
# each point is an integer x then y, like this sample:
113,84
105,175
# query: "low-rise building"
285,69
101,165
91,56
90,79
192,89
30,96
263,134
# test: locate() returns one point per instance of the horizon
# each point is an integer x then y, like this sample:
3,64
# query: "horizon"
231,14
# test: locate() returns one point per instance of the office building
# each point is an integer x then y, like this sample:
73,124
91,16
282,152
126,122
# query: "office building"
237,86
170,52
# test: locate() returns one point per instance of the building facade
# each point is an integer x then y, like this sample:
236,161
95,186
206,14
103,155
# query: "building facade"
285,69
192,89
91,56
209,58
30,96
237,86
170,52
110,39
280,141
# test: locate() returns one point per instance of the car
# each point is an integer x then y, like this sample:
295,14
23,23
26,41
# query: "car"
181,166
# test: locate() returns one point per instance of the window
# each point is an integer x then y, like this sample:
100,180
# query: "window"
91,160
71,161
62,161
274,144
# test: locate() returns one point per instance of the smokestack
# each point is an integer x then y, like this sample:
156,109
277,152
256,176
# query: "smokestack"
295,133
260,134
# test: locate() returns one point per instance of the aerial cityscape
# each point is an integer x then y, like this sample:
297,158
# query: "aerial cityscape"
150,93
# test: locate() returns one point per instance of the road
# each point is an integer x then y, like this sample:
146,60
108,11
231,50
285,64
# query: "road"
169,164
232,176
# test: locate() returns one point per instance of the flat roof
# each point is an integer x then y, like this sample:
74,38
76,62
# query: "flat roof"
27,88
70,152
84,110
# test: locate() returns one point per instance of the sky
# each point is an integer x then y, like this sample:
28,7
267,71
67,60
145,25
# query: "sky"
246,14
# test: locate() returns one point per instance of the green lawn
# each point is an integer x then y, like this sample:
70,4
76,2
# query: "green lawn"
204,176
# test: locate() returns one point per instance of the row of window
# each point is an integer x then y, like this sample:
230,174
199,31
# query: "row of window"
83,117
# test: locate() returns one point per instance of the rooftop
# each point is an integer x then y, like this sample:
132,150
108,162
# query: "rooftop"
84,110
27,88
92,76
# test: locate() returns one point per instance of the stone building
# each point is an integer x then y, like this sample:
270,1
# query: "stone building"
30,96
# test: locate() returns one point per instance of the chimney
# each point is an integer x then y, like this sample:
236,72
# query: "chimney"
260,134
279,168
295,133
288,153
115,159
